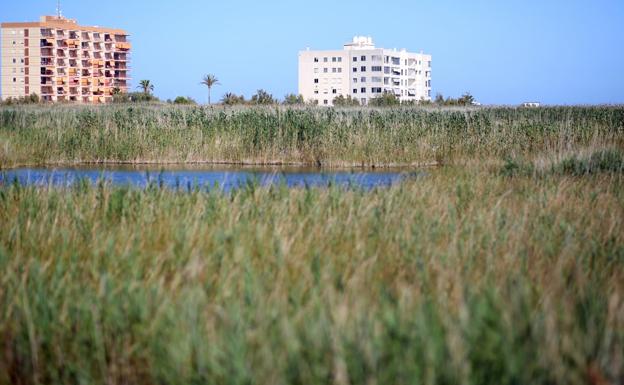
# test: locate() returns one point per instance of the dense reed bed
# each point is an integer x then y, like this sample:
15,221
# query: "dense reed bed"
467,276
36,135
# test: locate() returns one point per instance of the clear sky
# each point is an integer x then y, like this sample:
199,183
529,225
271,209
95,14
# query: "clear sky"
503,52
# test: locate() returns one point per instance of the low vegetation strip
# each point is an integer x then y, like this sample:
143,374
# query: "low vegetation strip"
36,135
466,276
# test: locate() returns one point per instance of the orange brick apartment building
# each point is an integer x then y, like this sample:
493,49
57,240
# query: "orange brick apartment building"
62,61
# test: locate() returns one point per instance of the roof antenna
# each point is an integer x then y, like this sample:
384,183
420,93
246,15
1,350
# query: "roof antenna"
58,9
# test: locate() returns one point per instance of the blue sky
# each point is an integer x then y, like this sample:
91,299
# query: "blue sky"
503,52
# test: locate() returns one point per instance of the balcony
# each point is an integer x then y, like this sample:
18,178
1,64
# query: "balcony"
61,63
47,63
46,43
122,46
47,52
46,32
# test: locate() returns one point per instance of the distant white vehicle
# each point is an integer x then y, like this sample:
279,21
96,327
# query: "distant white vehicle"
530,104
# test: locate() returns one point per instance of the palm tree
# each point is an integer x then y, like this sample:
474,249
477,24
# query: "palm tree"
147,86
209,81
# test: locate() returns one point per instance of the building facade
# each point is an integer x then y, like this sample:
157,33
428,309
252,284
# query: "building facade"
362,71
62,61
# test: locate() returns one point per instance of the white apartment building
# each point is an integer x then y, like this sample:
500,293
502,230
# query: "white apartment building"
362,71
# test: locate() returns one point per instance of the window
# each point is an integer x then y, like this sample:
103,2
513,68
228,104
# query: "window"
14,80
354,69
316,60
334,70
315,81
325,70
354,58
376,58
13,40
363,58
363,68
429,65
376,68
355,90
325,60
363,79
333,59
386,70
334,91
363,90
325,101
376,79
22,61
316,92
376,90
339,70
339,59
316,70
354,80
14,61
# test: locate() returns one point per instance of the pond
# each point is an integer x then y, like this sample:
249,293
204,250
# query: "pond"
224,177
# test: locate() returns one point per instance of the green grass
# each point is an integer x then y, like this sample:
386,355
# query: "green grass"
36,135
503,266
464,276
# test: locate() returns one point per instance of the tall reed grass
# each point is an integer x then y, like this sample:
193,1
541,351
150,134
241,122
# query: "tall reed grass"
466,276
315,136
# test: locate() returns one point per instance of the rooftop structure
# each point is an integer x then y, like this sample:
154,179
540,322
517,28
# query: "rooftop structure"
62,61
363,71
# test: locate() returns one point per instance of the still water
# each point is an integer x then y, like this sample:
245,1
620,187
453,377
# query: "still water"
226,178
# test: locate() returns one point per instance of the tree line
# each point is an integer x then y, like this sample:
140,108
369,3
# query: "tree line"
261,97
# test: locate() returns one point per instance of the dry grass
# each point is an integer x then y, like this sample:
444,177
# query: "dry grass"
465,276
297,136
